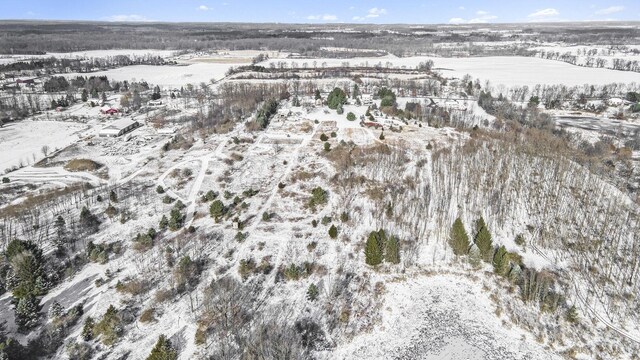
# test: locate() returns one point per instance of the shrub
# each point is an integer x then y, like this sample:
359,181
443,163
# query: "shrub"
168,199
210,195
314,223
333,134
324,137
333,232
148,315
318,197
326,220
82,165
351,116
344,217
327,147
6,180
160,189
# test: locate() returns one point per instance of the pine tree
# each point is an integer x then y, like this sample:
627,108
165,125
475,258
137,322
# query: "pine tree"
55,310
175,220
501,261
483,240
333,232
85,95
312,292
27,312
572,314
458,239
87,329
372,250
216,210
392,251
163,350
164,222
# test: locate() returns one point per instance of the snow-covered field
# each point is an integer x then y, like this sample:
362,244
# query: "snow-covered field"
443,317
9,59
499,70
167,76
22,141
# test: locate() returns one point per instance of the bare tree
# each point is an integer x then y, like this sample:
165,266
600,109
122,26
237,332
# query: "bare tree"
45,150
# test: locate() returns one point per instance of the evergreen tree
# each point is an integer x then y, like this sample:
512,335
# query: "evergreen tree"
372,250
175,220
163,350
483,240
458,239
392,251
317,95
113,196
312,292
60,227
104,97
501,261
85,95
164,222
356,91
216,210
27,312
572,314
87,329
333,232
336,98
381,136
110,326
89,221
55,310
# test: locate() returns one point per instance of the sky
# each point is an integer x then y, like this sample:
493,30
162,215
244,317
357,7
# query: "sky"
324,11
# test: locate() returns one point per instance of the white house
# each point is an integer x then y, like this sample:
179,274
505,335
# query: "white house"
118,128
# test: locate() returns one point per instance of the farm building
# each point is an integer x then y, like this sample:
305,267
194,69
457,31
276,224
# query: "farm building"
118,128
108,110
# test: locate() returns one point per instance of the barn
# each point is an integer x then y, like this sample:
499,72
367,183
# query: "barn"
118,128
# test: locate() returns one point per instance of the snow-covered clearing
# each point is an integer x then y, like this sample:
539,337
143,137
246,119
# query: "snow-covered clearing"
167,75
444,317
499,70
22,142
9,59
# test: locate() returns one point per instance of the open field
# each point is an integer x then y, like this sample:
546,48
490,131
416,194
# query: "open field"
21,141
168,75
503,70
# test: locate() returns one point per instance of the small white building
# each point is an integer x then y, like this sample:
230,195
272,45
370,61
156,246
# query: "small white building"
118,128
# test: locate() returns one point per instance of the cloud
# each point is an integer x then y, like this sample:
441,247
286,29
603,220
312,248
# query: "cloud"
375,12
610,10
544,13
357,18
325,17
127,18
483,17
204,8
461,8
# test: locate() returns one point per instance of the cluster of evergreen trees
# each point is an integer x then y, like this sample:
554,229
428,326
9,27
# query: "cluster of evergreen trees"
379,248
537,287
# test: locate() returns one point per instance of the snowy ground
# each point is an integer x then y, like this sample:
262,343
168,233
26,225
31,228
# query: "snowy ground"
499,70
444,317
22,141
167,75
